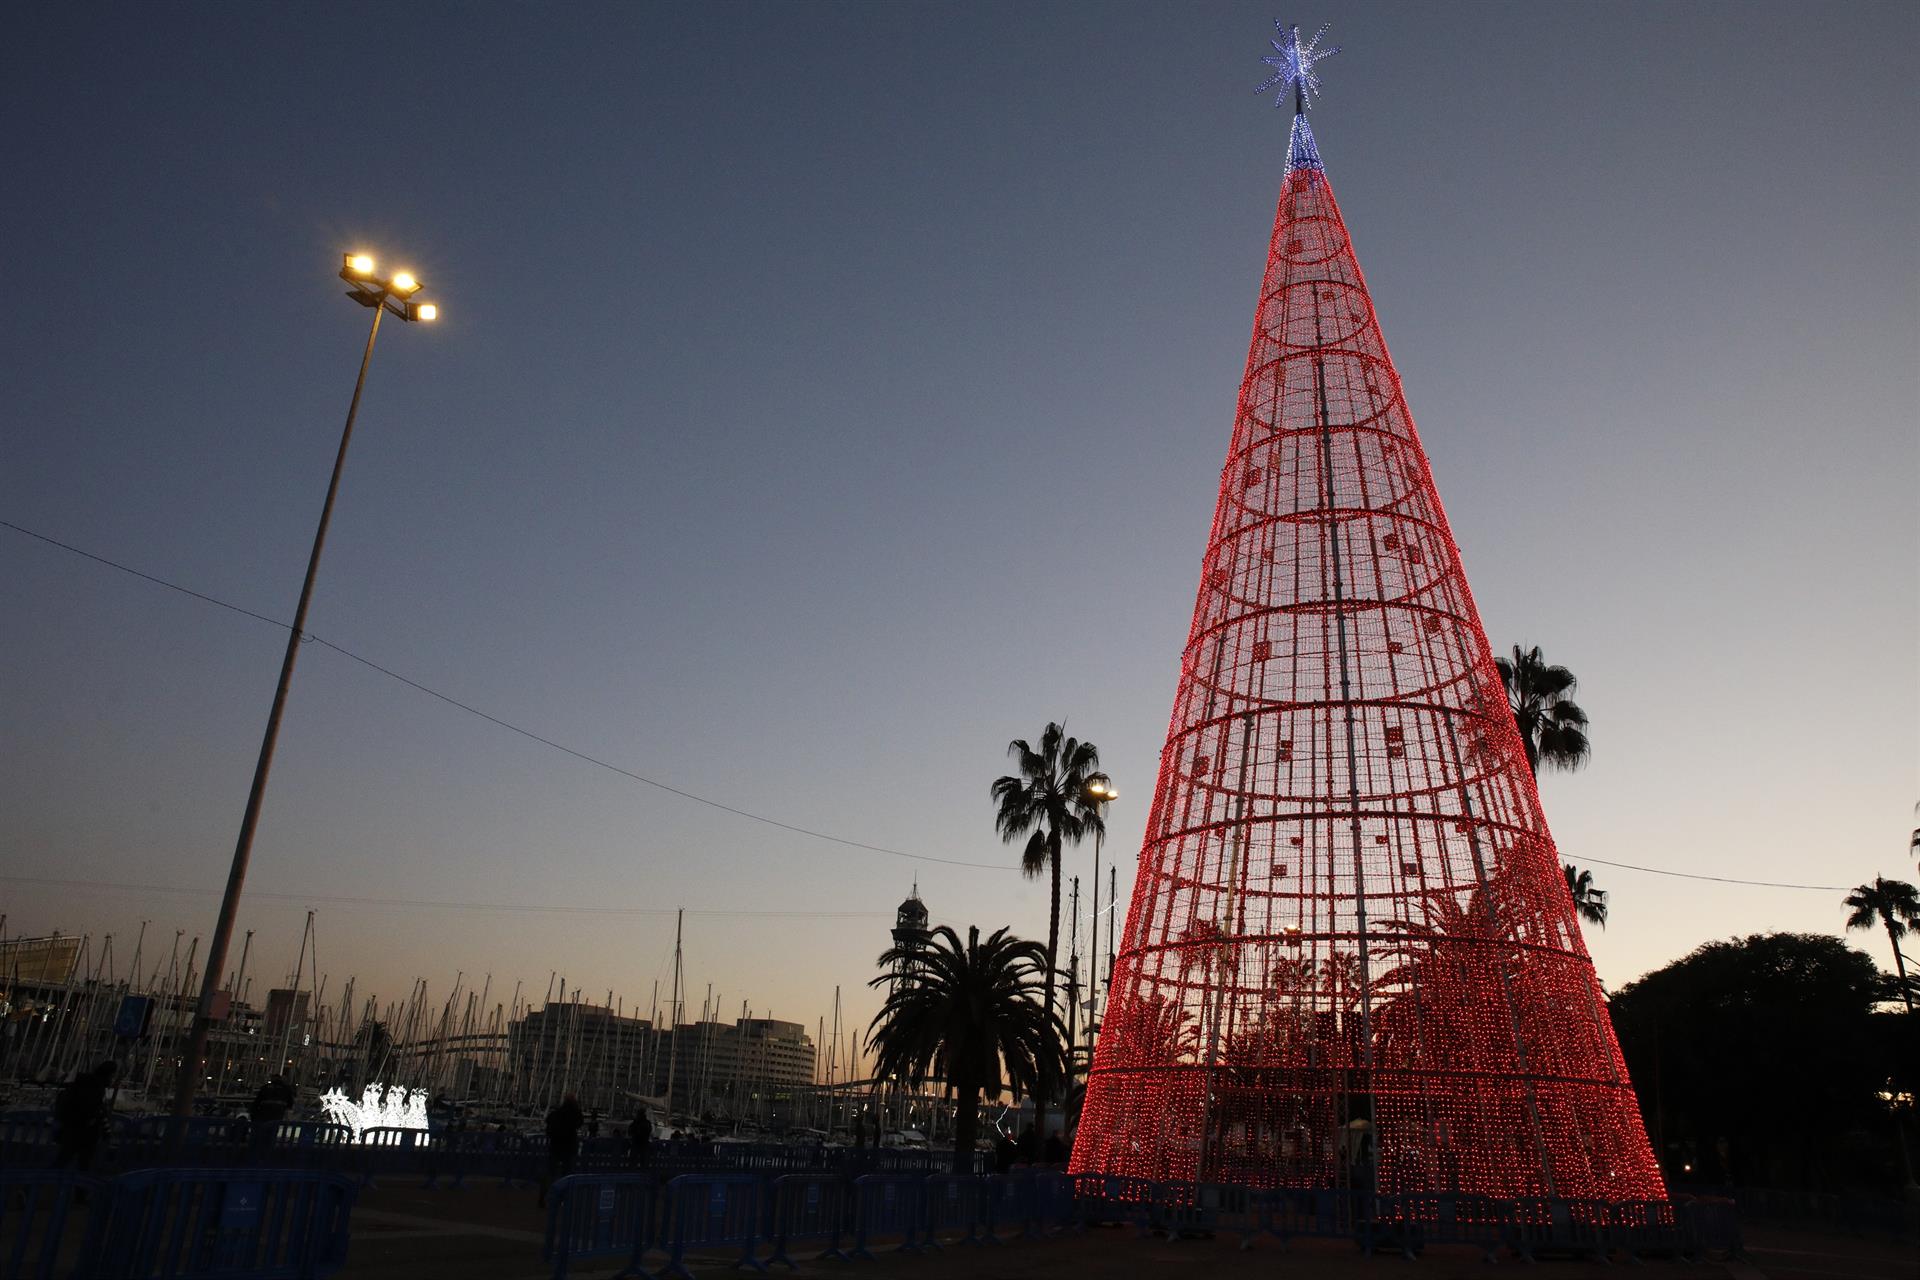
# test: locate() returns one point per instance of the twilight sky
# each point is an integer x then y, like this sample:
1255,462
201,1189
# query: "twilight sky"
828,394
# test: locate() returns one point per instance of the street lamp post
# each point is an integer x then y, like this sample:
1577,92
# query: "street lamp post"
393,294
1101,791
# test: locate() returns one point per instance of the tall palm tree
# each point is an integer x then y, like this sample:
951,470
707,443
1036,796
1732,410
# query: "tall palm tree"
971,1016
1048,802
1588,902
1894,904
1553,728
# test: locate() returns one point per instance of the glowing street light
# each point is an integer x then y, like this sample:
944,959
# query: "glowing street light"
390,296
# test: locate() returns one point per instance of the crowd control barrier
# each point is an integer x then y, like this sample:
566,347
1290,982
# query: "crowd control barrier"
1106,1197
1643,1228
960,1203
810,1209
887,1205
1181,1210
714,1211
601,1215
37,1209
387,1152
1708,1227
190,1223
480,1153
26,1138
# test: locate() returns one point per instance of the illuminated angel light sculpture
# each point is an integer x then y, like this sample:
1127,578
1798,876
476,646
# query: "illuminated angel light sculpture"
378,1107
1350,959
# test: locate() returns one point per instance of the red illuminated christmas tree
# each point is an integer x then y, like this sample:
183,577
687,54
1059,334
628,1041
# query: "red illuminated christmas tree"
1351,957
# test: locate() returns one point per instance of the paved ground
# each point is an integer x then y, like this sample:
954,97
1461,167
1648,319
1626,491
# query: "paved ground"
486,1233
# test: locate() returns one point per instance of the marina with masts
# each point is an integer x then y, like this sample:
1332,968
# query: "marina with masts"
482,1053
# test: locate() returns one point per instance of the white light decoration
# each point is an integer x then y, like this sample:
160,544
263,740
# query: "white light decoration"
379,1107
1292,64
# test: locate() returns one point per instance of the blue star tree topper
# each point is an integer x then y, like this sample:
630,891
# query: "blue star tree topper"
1292,64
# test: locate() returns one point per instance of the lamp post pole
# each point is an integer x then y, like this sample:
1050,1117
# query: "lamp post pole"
1101,788
379,295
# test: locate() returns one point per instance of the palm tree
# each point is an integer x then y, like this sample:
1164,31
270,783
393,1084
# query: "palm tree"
1894,904
1048,802
972,1017
1553,728
1589,903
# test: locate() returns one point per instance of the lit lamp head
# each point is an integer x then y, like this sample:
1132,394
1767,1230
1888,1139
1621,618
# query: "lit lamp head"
358,264
403,283
422,311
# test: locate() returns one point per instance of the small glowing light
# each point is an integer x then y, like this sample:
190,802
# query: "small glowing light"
361,263
405,283
426,311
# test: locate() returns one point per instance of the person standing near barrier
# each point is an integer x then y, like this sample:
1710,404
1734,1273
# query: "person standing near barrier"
264,1114
1005,1154
639,1140
563,1141
81,1116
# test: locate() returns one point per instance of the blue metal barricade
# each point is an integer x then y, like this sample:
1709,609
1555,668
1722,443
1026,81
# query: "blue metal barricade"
1411,1222
714,1211
959,1203
1104,1197
173,1140
1708,1227
479,1153
887,1205
392,1152
39,1209
809,1208
189,1223
601,1215
1012,1205
1644,1228
26,1137
1288,1212
311,1144
1182,1209
1558,1228
1050,1201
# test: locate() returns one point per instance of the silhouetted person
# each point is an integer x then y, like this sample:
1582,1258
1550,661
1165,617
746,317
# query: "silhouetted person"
264,1114
563,1141
80,1114
1005,1155
640,1141
1030,1144
1055,1149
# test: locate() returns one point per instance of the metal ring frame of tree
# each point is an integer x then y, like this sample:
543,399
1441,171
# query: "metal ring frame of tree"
1351,958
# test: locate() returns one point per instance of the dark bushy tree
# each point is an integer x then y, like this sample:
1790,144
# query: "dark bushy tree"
1758,1062
973,1016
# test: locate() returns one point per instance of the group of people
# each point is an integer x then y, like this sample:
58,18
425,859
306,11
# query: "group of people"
564,1124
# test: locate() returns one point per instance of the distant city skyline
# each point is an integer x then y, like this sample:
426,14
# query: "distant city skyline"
824,397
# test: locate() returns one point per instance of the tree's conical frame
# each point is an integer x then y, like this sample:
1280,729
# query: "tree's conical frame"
1350,958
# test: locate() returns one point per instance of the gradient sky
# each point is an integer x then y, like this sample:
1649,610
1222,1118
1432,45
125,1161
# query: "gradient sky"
828,394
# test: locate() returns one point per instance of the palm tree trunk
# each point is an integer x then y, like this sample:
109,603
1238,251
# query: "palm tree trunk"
1899,964
1045,1092
966,1126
